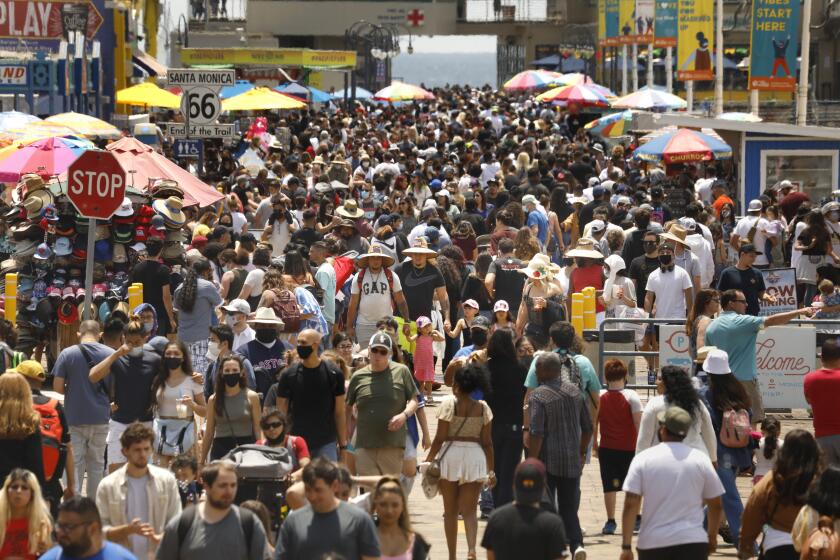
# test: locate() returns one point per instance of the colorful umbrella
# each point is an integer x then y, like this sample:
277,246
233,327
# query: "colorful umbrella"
148,94
399,91
240,87
260,99
614,125
306,93
650,100
683,146
740,117
581,95
670,129
85,125
47,158
36,131
16,119
530,79
361,93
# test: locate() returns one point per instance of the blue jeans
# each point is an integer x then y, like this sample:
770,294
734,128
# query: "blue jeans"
328,450
732,506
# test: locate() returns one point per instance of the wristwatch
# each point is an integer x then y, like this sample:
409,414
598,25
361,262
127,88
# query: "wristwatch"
627,547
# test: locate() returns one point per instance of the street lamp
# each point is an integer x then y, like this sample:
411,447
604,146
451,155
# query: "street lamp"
378,42
183,39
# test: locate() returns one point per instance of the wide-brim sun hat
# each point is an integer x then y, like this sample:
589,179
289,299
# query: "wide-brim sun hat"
374,251
540,267
266,316
585,248
171,210
420,247
671,237
350,209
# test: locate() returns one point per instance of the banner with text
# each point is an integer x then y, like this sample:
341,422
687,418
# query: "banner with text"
665,24
774,37
695,41
626,21
610,23
781,284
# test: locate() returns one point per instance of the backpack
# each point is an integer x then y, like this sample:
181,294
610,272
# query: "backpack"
751,233
570,373
735,428
53,450
188,515
389,276
286,307
822,542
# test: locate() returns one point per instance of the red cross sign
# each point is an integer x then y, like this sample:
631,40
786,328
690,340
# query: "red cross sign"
415,18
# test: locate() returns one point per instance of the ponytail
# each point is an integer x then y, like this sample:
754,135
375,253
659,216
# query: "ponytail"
771,427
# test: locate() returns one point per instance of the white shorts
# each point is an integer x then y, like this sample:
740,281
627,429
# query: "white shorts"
115,430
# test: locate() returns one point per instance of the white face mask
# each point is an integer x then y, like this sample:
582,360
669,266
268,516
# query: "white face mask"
212,351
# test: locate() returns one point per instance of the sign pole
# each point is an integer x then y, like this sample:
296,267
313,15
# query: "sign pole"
754,102
669,69
689,95
634,69
623,70
91,241
719,59
650,66
802,97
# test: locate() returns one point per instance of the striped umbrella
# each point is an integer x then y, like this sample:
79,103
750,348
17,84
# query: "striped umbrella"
580,95
399,91
530,79
614,125
683,146
85,125
650,100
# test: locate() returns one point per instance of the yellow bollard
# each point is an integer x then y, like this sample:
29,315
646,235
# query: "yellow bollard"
140,292
588,307
577,313
134,297
11,297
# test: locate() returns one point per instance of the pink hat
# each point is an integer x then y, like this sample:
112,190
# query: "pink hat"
471,303
68,293
422,321
501,305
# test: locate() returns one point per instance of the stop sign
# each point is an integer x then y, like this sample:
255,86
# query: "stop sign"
96,184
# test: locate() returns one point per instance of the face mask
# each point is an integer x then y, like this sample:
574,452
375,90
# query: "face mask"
834,216
173,362
147,327
266,336
479,337
212,351
665,259
231,379
364,194
136,352
304,351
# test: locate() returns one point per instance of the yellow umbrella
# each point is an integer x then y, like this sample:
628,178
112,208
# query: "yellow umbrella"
86,125
148,94
36,131
261,98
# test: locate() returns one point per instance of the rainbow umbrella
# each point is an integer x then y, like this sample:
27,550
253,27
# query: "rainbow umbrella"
614,125
650,100
530,79
740,117
399,91
85,125
683,146
581,95
47,157
36,131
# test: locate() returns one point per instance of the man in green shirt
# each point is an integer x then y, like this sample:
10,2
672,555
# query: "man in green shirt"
385,396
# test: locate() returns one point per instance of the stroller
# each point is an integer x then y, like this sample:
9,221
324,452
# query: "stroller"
263,474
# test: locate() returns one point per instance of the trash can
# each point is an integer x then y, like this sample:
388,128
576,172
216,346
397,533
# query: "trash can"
614,339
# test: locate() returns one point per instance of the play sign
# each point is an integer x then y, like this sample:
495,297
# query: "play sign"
96,184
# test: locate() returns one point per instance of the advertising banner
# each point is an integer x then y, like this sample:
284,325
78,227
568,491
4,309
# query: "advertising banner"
673,346
783,356
774,37
31,19
626,21
611,23
781,284
665,24
695,41
602,23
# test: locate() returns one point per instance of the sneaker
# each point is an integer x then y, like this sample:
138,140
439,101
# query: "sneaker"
609,527
726,534
580,553
638,524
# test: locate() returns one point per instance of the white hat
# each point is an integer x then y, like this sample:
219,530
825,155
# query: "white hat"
597,226
237,306
717,362
755,206
264,316
784,185
125,209
501,305
593,181
688,223
529,199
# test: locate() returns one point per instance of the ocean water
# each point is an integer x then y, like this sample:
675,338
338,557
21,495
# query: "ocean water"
438,69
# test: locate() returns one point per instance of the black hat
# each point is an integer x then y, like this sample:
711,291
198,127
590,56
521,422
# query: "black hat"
381,339
529,481
480,322
748,248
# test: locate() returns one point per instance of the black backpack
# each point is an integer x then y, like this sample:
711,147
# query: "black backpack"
185,523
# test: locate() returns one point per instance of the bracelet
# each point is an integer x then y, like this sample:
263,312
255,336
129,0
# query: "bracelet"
627,547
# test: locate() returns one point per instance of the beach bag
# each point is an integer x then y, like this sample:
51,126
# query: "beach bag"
285,306
254,461
735,428
822,543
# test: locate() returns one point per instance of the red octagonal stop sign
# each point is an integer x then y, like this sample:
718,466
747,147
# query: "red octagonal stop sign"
96,184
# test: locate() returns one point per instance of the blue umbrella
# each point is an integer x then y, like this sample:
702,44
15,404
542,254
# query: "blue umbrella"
241,86
309,93
361,93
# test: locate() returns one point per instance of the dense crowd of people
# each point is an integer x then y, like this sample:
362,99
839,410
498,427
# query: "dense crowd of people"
270,397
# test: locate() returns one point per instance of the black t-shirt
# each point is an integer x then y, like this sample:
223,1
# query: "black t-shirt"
508,283
515,532
419,287
582,171
311,394
133,387
633,246
640,269
749,281
154,276
475,220
507,381
306,236
474,289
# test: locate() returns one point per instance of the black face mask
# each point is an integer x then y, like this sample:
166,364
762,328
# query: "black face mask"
231,380
479,337
173,362
274,442
665,259
266,336
304,351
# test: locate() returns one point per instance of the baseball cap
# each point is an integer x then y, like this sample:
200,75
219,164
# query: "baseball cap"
237,306
471,303
422,321
755,206
597,226
529,481
382,340
748,248
688,223
480,322
594,181
31,369
675,419
598,191
501,305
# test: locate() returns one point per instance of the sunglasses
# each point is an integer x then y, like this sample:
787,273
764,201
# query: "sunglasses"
380,351
273,425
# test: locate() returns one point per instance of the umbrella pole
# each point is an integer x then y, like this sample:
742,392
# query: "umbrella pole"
623,70
754,102
650,66
635,68
669,69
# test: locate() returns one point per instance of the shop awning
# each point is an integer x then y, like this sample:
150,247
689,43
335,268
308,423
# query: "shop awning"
148,63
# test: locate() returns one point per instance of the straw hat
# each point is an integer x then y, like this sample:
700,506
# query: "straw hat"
265,316
677,234
171,211
586,249
375,251
420,247
350,209
319,160
540,267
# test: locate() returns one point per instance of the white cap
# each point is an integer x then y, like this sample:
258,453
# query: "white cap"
597,226
594,181
501,305
717,362
237,306
755,206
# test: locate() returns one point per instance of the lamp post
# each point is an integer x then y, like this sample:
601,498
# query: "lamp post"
183,39
377,42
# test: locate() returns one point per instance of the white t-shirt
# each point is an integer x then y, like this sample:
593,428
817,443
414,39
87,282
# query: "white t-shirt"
244,337
703,188
238,221
168,397
375,296
672,518
137,507
796,254
669,288
742,229
764,465
255,280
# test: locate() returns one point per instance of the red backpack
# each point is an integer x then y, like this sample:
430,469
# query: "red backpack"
52,449
285,306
